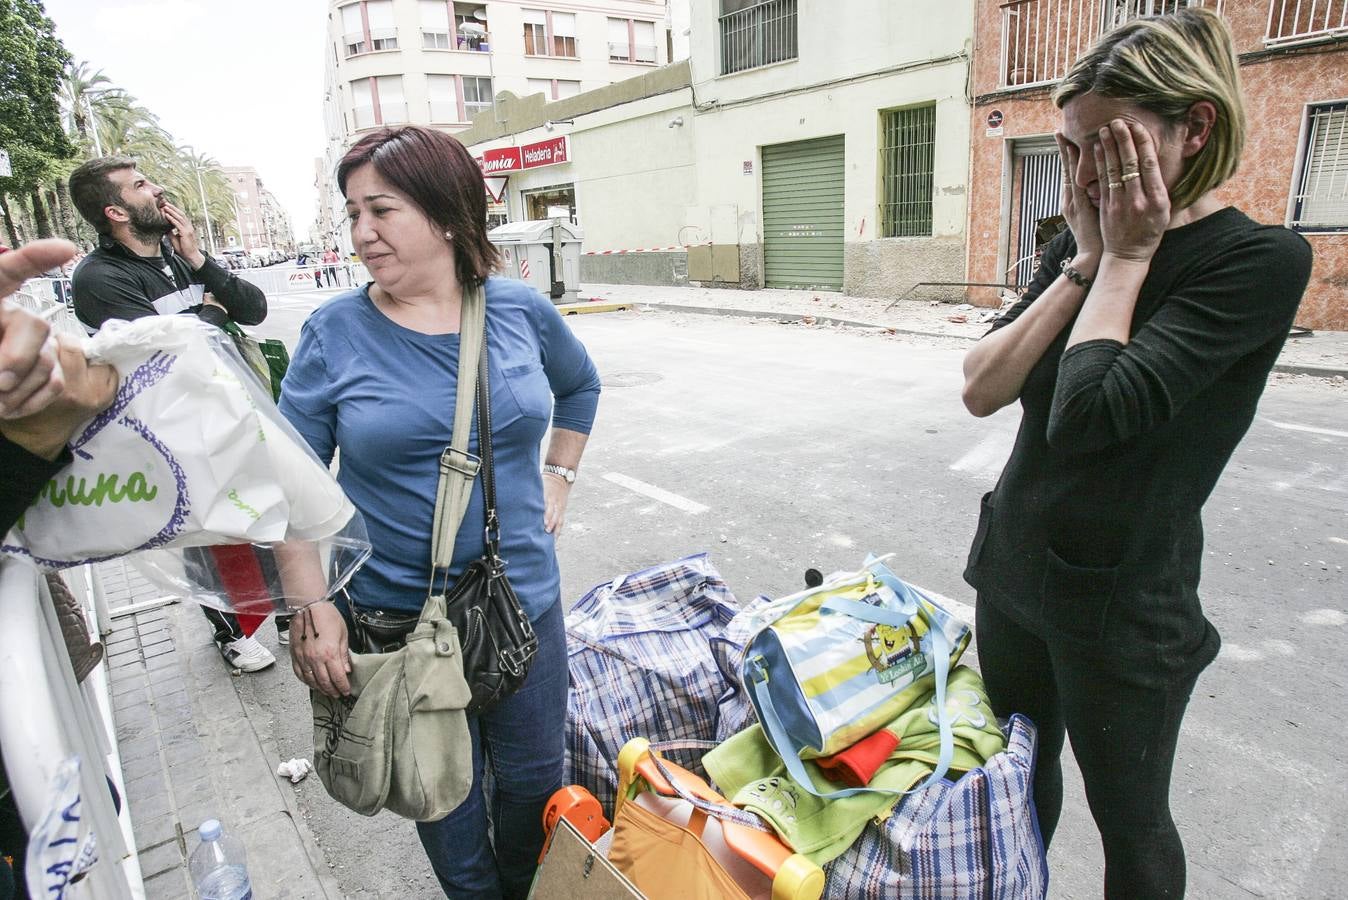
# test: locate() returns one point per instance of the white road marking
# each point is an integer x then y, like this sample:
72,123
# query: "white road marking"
988,455
1324,617
655,493
1309,429
1339,540
1238,653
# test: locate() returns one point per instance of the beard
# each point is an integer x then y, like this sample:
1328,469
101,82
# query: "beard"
148,221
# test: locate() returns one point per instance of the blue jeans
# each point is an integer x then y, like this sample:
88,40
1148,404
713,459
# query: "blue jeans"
520,742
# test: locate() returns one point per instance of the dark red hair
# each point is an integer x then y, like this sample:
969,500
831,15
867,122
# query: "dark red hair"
441,177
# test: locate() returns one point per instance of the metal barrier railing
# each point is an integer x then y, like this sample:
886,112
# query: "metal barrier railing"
49,719
289,279
41,296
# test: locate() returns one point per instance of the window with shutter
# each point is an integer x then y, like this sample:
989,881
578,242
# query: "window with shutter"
434,24
643,43
443,93
619,47
535,32
563,34
1321,200
383,29
353,30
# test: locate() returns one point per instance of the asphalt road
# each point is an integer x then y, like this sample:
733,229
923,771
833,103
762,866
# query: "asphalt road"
780,447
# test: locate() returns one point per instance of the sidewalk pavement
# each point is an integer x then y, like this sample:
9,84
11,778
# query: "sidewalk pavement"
190,753
1322,353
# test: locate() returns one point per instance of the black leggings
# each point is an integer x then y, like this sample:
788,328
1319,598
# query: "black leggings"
1123,736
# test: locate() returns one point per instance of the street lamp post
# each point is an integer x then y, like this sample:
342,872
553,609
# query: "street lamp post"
93,123
205,211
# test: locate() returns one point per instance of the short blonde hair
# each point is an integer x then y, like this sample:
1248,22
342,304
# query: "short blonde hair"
1166,64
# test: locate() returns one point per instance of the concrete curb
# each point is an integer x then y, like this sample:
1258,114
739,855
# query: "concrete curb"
793,318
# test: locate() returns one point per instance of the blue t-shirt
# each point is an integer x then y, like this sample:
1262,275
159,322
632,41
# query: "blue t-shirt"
385,396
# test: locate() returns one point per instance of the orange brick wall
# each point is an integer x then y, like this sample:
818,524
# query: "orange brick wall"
1277,87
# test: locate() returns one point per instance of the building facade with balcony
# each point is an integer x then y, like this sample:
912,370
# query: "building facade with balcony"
442,62
803,147
1294,68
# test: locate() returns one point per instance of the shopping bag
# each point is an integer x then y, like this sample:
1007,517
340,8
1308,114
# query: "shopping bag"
652,653
976,837
191,453
833,664
676,838
574,867
268,359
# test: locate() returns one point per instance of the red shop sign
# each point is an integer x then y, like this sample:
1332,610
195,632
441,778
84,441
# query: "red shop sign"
546,153
501,161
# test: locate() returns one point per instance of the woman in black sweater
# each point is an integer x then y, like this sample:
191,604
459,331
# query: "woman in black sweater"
1138,355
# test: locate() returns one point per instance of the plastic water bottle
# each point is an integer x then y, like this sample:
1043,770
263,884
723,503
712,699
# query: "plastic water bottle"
219,865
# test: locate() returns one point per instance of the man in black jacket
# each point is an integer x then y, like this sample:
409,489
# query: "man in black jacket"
149,262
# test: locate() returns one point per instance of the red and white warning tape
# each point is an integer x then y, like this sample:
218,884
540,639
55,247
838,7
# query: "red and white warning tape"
641,250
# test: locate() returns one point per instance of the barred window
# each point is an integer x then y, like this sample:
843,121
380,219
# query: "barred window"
907,157
756,33
1321,200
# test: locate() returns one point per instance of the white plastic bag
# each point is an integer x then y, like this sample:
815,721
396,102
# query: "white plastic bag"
192,453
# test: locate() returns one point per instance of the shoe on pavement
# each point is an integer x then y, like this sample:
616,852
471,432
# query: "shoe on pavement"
283,630
246,654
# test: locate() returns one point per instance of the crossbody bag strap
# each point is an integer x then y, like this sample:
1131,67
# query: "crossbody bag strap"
492,535
458,467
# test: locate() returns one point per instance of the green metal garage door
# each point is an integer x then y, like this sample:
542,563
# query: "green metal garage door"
803,214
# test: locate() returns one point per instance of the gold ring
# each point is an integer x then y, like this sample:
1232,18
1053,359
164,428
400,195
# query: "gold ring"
1129,176
1115,185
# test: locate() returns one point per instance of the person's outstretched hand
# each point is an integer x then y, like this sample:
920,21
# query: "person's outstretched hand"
30,374
47,389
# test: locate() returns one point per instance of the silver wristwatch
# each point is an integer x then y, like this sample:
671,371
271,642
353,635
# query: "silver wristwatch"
567,475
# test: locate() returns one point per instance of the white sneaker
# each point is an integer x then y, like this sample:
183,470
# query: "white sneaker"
246,655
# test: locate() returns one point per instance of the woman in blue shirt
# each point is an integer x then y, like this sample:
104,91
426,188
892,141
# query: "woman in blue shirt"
374,376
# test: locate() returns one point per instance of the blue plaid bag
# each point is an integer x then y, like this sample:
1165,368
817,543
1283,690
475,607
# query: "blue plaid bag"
975,837
653,654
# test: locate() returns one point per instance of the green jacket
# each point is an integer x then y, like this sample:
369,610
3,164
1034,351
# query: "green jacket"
749,772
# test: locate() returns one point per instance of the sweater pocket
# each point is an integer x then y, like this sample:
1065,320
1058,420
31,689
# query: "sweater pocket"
528,387
985,508
1077,598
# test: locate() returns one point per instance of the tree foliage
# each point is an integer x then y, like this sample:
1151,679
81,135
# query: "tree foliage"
78,113
32,62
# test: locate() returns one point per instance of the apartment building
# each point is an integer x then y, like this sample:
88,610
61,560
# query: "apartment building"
1294,69
442,62
259,219
802,145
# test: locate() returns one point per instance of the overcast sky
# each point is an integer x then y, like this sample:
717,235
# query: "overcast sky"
239,80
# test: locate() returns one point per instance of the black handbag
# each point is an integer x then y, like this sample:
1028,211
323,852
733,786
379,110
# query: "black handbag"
496,639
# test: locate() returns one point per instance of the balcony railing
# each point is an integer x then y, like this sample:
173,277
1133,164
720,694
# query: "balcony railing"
393,112
473,107
624,52
383,39
363,116
444,111
1303,21
1042,38
758,36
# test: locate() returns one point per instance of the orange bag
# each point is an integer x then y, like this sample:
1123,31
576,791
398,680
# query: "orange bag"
677,839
